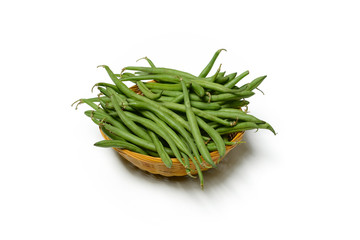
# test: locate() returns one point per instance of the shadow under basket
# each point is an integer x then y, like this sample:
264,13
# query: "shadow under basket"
156,166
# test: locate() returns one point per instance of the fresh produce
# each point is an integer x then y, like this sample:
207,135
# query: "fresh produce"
177,114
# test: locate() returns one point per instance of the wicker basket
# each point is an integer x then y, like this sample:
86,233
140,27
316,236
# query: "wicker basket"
156,166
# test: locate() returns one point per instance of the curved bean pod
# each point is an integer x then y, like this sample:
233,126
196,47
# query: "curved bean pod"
119,144
195,128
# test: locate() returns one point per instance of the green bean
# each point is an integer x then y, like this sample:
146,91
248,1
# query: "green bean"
126,75
167,92
235,114
198,112
222,80
228,96
160,149
255,83
231,76
187,163
199,90
104,91
207,106
195,130
208,67
213,124
140,132
166,99
234,104
178,99
215,136
120,144
120,99
213,78
212,146
157,77
148,60
108,85
176,93
267,126
110,134
168,71
147,92
163,86
243,126
233,82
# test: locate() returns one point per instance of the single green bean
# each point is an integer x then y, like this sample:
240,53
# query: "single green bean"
228,96
208,67
233,82
234,114
222,80
160,149
149,61
147,92
169,71
163,86
205,105
215,136
213,78
157,77
120,144
255,83
110,134
243,126
167,92
234,104
199,90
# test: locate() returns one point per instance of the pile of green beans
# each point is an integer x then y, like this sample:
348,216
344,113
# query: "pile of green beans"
175,114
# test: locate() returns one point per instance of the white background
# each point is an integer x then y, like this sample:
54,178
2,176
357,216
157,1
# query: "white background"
301,184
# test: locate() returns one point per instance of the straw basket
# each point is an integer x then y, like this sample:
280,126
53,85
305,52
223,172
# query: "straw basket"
156,166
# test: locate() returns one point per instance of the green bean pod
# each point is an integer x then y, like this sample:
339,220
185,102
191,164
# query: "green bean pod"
208,67
120,144
157,77
195,128
215,136
255,83
234,114
233,82
160,149
199,90
147,92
